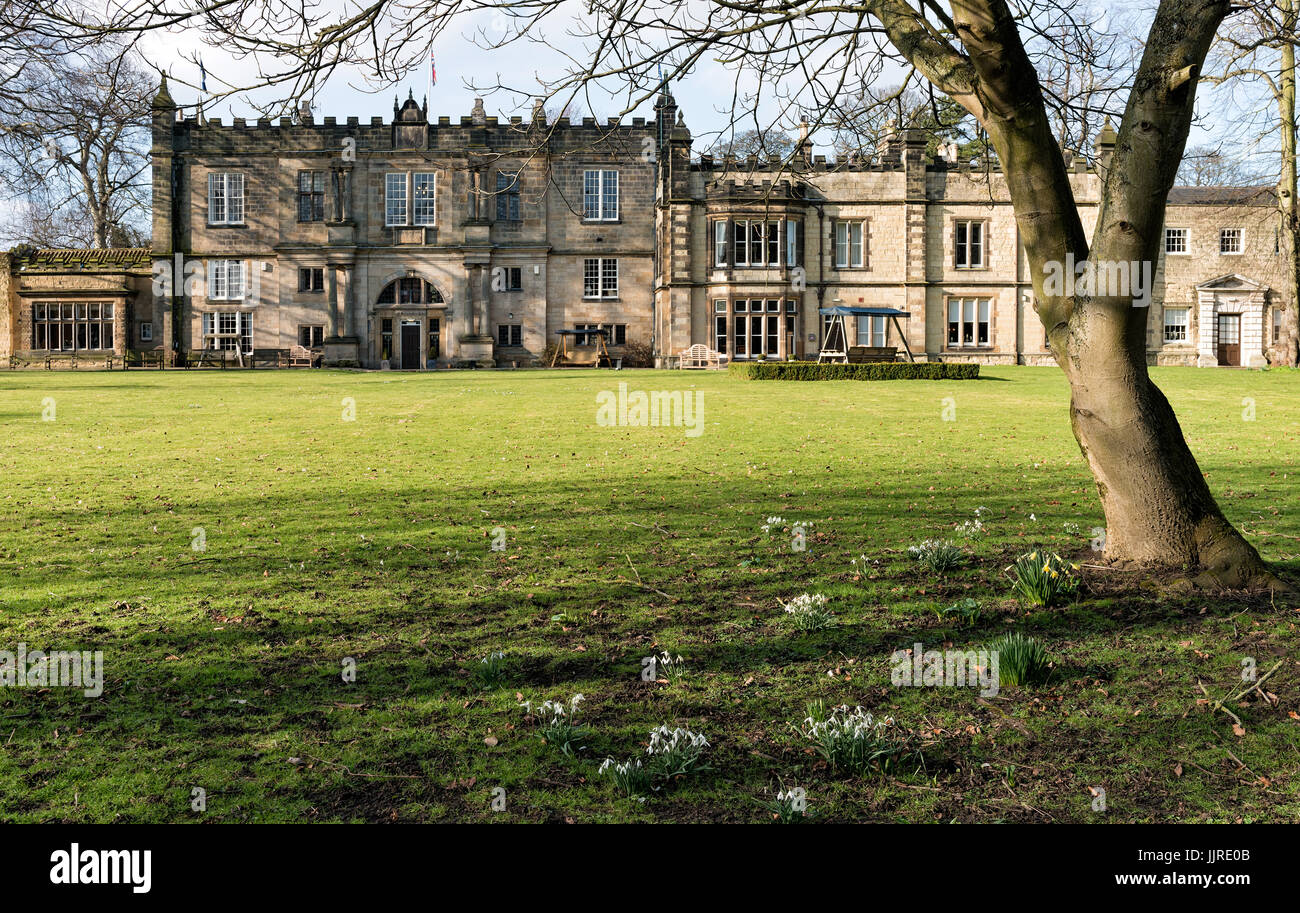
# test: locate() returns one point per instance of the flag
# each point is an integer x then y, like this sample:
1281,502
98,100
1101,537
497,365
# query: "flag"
203,76
433,70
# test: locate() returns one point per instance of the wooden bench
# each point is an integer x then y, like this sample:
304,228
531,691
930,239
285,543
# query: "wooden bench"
699,356
861,355
220,358
301,357
156,358
52,360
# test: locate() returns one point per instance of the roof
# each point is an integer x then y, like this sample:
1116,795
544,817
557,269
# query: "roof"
75,258
1259,195
864,312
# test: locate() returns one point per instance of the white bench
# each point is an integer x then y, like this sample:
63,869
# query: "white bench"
699,356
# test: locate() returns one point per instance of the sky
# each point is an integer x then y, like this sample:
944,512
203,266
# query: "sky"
705,96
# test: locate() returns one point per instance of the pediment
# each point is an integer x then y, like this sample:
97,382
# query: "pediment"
1231,282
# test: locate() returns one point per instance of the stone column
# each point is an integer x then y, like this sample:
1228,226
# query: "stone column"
331,296
345,192
343,285
121,327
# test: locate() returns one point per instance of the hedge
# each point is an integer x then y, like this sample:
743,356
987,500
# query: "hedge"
881,370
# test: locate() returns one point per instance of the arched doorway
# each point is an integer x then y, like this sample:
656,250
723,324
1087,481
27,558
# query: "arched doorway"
410,311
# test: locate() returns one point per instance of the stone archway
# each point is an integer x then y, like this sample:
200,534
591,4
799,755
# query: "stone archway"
1233,294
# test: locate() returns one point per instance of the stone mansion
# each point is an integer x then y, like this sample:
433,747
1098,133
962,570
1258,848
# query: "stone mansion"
415,244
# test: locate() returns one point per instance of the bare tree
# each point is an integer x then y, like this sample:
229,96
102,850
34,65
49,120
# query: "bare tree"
1211,166
800,55
758,143
863,120
1259,49
74,146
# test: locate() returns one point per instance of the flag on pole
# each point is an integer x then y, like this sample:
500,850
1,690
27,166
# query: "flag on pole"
203,76
433,70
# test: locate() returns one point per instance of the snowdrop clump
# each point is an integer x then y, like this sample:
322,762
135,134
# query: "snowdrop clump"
937,555
557,722
673,753
809,612
854,740
778,524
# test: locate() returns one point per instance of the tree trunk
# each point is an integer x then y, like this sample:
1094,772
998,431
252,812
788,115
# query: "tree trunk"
1159,509
1290,354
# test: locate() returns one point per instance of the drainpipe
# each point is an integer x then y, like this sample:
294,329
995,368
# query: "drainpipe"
821,269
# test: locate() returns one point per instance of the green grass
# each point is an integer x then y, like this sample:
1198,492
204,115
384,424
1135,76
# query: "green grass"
370,540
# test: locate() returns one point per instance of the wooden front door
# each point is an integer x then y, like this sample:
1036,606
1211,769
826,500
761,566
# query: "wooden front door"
410,345
1229,339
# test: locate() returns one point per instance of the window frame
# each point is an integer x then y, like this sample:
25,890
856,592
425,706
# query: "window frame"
210,324
1185,326
513,334
846,246
981,313
312,197
314,330
391,197
508,206
424,206
311,273
228,181
961,250
218,288
600,203
606,270
1239,234
1185,237
75,324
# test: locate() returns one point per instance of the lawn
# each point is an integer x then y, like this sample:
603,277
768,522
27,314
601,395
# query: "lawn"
240,544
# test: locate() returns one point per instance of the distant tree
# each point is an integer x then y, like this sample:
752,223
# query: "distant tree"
74,144
1210,166
861,121
761,144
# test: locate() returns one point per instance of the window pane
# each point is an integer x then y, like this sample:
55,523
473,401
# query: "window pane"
235,197
216,198
609,195
609,278
591,194
395,199
423,210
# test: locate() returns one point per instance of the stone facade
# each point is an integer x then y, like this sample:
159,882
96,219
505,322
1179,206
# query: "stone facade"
895,231
418,243
62,302
411,243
